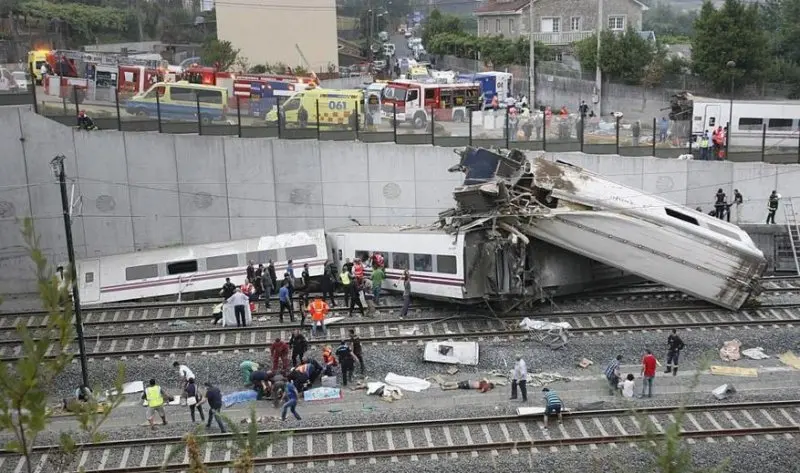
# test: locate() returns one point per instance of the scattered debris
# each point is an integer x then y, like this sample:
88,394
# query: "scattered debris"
263,319
545,379
328,382
452,370
585,363
259,420
409,332
407,383
722,392
755,353
552,334
734,371
322,394
455,353
790,359
178,323
685,157
386,392
730,350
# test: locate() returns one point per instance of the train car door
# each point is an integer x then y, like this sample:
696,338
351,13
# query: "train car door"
712,118
89,280
339,251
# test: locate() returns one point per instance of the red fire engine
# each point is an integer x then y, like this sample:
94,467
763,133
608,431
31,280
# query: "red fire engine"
413,101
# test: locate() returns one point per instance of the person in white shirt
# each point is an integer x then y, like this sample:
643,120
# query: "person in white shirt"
185,373
239,301
520,378
628,387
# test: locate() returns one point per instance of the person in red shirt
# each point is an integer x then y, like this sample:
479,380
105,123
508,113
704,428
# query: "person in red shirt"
648,372
280,356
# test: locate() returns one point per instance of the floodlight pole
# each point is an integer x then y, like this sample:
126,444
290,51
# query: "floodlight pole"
58,169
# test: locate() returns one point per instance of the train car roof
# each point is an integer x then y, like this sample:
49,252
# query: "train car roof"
698,100
389,229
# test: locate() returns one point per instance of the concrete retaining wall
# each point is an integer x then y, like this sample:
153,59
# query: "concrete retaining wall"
150,190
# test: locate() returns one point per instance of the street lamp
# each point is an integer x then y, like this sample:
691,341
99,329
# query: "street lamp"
731,66
57,165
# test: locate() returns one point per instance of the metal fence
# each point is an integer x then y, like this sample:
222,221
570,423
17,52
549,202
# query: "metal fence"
342,121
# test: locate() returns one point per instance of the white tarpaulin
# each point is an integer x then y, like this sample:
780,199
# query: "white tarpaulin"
128,388
756,353
407,383
229,316
530,324
454,353
534,411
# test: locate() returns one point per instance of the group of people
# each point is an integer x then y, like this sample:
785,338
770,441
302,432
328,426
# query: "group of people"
649,365
722,208
713,147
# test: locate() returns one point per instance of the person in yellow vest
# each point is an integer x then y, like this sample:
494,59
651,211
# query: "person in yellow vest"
345,277
155,397
704,143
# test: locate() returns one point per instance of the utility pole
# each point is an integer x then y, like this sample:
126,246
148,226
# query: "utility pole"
531,61
598,75
57,164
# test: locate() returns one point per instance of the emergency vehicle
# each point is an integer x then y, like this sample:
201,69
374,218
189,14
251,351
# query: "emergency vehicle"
413,102
257,94
336,109
37,59
492,84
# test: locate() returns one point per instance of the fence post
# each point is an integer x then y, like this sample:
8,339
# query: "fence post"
544,131
158,111
763,141
727,139
199,114
433,127
119,116
280,118
617,132
318,131
63,98
394,121
690,137
33,90
583,123
239,115
470,112
75,98
654,136
357,118
798,148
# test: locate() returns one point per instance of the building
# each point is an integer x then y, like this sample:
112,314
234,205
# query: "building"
270,31
556,22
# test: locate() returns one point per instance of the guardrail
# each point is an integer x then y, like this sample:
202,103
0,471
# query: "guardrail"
247,118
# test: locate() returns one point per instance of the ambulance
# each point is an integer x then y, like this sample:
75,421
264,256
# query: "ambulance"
336,109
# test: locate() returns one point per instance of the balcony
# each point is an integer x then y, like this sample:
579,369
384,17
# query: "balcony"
562,37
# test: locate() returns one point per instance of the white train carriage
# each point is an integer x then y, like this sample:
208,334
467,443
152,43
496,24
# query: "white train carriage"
195,268
434,259
748,119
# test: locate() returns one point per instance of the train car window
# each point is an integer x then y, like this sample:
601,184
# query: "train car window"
141,272
423,263
362,255
88,278
180,267
222,262
780,124
750,123
400,261
680,216
261,256
301,252
446,264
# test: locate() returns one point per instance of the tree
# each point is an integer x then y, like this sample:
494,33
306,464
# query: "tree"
625,57
438,23
25,385
732,33
495,50
665,20
220,53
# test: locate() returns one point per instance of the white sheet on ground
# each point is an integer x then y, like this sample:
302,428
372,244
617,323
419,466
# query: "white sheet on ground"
454,353
533,411
407,383
332,320
129,388
756,353
229,316
530,324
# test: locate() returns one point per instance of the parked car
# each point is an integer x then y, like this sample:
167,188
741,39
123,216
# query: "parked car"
22,78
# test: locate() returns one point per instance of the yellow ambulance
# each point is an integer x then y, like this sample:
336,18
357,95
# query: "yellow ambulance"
337,109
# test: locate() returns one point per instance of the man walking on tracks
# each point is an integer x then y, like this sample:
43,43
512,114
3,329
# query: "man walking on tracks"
155,395
318,310
674,347
214,398
520,379
239,301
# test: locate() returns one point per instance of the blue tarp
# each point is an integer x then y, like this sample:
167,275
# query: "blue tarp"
239,397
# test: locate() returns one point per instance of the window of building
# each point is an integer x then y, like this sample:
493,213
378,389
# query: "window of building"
423,263
551,25
497,26
780,124
262,256
559,57
400,261
746,123
485,26
511,26
88,278
616,23
222,262
141,272
575,23
181,267
446,264
301,252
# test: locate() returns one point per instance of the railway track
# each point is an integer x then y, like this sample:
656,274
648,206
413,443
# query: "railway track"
775,285
429,439
385,330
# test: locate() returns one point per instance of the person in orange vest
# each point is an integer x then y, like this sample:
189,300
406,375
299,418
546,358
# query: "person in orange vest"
318,310
328,361
716,140
495,102
249,290
358,270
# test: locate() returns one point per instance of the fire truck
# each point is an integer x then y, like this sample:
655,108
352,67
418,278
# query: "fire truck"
413,102
97,76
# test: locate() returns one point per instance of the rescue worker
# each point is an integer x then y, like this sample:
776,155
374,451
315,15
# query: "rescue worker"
214,398
272,274
612,375
155,396
328,361
247,368
268,288
228,289
315,370
285,300
291,402
346,360
674,347
344,275
704,143
355,342
300,376
719,204
318,310
636,131
552,405
239,300
716,141
328,283
356,291
406,294
520,378
257,283
289,281
84,122
299,345
738,200
280,356
193,399
378,276
290,272
251,272
278,390
184,374
772,206
358,270
260,380
306,276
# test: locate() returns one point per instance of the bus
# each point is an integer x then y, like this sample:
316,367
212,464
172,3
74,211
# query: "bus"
412,102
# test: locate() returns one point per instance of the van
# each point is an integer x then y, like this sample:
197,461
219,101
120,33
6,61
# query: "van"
179,101
36,59
337,108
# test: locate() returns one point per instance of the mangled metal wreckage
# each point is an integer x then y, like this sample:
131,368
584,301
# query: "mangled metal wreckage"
526,206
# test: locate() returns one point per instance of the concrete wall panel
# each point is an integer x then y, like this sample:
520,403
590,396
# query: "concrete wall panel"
251,187
203,189
392,190
704,178
433,183
345,183
153,178
752,179
298,185
787,187
626,171
665,178
105,192
43,141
